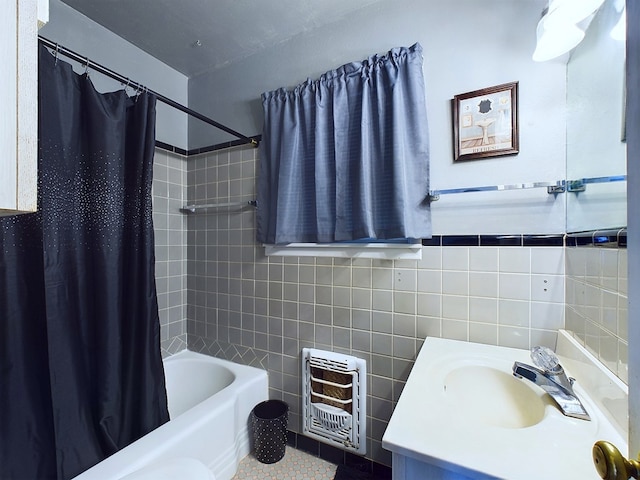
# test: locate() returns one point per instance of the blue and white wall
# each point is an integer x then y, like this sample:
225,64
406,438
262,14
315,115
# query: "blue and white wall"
218,293
468,45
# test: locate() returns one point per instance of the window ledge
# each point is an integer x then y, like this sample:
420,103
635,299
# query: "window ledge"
388,251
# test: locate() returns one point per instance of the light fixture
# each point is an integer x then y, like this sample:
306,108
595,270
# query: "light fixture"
555,39
619,31
564,12
558,31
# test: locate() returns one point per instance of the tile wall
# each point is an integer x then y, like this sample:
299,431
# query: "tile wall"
261,311
170,226
596,302
221,295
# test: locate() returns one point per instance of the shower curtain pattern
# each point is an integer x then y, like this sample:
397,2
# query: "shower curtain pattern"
81,369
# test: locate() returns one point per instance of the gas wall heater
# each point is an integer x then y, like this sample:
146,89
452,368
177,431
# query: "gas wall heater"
334,392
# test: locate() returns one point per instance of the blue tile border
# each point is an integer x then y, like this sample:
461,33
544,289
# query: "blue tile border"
543,240
459,240
615,238
501,240
612,238
210,148
518,240
434,241
170,148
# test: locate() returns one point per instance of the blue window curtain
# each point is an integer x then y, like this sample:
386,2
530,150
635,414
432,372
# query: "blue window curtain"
346,157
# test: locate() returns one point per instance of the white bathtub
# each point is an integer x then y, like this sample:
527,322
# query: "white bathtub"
209,404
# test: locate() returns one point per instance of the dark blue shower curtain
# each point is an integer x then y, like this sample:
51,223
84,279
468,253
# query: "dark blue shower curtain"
81,371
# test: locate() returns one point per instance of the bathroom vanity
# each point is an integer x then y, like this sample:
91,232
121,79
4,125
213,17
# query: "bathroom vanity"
463,415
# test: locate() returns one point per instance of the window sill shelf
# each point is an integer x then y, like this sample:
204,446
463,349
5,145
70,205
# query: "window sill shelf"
388,251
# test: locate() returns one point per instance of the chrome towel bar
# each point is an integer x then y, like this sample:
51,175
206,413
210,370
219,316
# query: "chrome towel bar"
218,206
560,186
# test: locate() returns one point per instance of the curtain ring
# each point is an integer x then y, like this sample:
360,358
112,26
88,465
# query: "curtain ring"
86,66
142,90
56,54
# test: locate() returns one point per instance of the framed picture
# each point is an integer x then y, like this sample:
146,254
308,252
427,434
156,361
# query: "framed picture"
485,123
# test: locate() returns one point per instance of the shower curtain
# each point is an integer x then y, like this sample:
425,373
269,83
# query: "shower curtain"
81,371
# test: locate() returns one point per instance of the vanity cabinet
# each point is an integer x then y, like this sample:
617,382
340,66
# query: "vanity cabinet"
19,100
407,468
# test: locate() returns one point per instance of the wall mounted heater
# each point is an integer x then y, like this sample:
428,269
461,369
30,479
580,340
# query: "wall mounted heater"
334,392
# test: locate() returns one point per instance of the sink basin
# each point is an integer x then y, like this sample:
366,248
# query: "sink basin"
488,396
463,412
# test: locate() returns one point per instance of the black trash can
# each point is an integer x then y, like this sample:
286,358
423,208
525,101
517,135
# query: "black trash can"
269,428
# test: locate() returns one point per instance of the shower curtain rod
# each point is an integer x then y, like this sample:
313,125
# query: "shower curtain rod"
60,50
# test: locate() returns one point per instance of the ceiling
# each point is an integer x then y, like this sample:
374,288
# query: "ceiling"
194,36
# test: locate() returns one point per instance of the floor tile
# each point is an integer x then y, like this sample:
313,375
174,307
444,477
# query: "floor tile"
295,465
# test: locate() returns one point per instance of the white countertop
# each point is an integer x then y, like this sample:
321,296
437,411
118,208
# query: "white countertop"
429,426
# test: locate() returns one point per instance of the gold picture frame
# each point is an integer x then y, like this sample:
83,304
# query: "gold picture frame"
485,123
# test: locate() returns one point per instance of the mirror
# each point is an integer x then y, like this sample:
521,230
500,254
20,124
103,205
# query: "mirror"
596,151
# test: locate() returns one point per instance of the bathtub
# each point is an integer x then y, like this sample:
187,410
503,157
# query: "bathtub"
209,404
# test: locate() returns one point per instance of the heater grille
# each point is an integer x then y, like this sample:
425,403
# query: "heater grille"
333,399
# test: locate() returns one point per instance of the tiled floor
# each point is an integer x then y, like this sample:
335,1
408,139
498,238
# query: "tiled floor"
300,465
296,465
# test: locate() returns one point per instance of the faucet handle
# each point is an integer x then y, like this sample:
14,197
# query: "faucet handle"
546,359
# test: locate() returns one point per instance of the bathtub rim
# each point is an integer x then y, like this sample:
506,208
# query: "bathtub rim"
147,449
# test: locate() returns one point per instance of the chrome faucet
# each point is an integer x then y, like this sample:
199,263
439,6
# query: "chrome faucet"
549,375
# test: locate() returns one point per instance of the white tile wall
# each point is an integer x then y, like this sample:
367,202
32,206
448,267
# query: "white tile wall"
380,310
596,303
169,185
244,306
